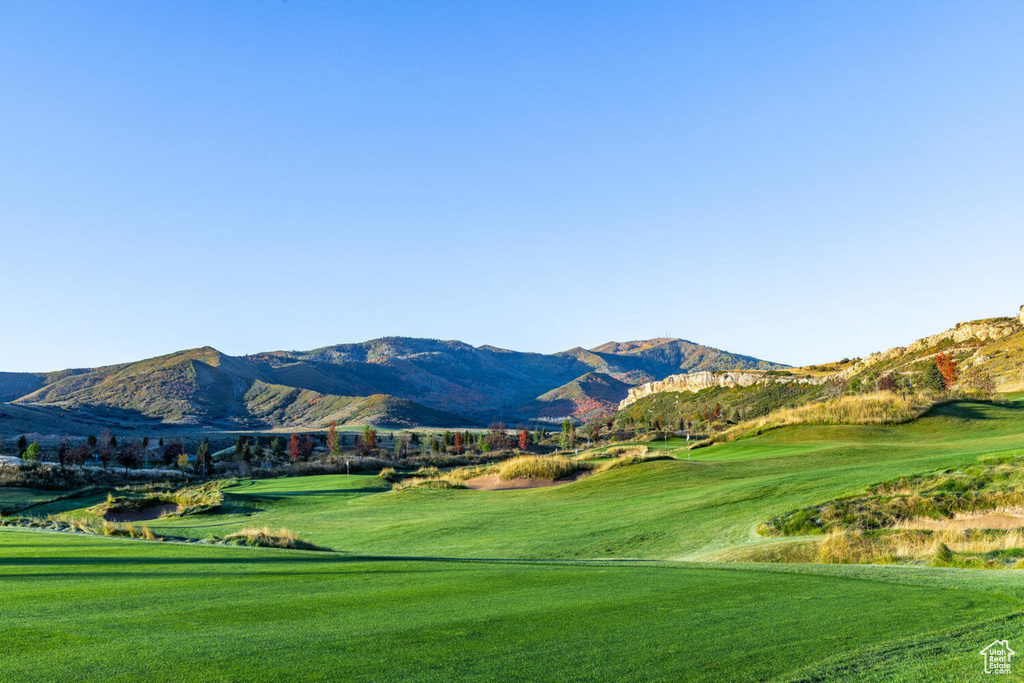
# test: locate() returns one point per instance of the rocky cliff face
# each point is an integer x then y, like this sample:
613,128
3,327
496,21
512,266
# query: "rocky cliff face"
974,331
696,381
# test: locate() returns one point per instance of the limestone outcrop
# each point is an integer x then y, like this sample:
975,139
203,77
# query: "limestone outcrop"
696,381
974,331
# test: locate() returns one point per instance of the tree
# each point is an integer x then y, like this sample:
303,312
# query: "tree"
834,388
79,455
887,382
239,447
182,460
332,439
399,445
22,445
497,437
524,440
948,367
64,453
458,443
107,445
128,456
171,452
33,452
203,457
931,378
294,447
368,444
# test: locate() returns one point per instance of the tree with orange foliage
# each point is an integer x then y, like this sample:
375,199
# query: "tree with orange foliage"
948,368
458,442
332,438
294,447
524,440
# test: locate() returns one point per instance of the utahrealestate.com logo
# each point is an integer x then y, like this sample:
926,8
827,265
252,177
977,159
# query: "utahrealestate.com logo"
997,657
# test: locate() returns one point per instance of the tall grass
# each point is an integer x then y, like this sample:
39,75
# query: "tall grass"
883,407
539,467
437,482
266,538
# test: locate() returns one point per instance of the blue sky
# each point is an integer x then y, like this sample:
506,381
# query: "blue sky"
800,181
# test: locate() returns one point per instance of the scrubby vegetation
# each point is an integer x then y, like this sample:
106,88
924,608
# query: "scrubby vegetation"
972,516
188,501
266,538
53,478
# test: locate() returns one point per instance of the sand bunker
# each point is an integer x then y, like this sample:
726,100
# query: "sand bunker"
144,515
490,482
993,519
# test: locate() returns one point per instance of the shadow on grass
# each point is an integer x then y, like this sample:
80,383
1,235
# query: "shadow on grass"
312,492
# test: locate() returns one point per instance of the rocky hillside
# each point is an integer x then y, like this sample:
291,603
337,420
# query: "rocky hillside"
993,346
389,382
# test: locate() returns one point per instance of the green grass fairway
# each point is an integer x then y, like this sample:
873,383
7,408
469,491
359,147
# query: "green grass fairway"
403,599
658,510
94,609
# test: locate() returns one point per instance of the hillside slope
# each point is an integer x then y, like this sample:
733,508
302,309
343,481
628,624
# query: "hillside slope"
395,381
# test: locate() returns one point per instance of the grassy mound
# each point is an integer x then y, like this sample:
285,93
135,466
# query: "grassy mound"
266,538
881,408
969,517
633,459
434,482
992,484
539,467
189,501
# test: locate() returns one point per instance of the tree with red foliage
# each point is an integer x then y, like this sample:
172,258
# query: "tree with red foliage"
458,443
524,440
948,368
306,446
887,382
294,447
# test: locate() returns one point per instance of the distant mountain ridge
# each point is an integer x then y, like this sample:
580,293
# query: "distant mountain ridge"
393,381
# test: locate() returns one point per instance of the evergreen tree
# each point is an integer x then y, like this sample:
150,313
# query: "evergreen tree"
932,378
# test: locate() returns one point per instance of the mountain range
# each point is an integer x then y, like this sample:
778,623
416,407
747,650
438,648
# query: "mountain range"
390,382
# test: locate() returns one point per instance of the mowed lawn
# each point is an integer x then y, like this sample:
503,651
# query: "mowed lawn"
78,608
659,510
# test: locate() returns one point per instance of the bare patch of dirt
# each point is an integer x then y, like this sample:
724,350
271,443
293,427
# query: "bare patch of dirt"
1009,518
490,482
144,515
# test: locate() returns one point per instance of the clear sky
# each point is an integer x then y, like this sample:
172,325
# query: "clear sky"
799,181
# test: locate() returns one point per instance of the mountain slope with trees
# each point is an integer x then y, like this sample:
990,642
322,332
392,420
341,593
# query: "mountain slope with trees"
392,381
